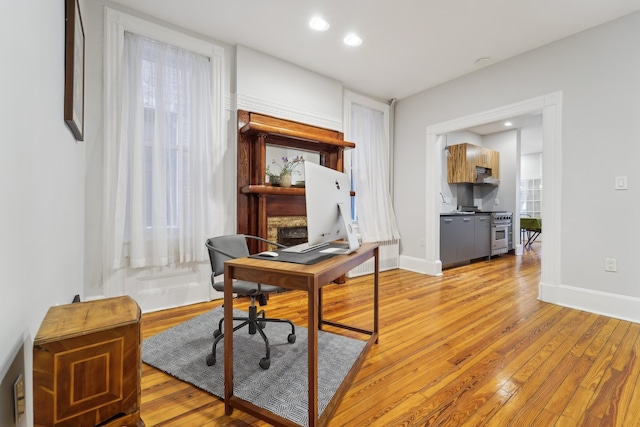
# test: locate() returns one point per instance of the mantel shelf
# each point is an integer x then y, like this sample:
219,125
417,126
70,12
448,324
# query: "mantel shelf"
272,190
268,129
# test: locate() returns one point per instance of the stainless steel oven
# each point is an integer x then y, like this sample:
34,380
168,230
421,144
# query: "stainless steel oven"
500,223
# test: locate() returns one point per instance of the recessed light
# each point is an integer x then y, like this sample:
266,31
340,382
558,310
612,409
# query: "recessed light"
507,124
352,40
318,24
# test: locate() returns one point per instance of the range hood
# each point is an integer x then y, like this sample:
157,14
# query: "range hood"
483,176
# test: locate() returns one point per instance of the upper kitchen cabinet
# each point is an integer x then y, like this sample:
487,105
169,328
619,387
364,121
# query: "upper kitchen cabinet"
471,164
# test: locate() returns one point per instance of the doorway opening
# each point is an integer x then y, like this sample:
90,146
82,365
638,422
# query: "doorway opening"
551,107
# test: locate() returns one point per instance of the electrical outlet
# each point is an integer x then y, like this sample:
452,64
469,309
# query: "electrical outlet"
422,243
497,202
18,399
621,183
610,264
13,388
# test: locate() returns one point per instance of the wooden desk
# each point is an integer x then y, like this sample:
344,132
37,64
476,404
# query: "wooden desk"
310,278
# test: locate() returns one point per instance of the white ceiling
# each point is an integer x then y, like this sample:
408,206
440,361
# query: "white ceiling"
409,45
532,123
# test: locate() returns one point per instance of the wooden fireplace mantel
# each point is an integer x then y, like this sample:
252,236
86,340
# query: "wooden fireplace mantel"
270,126
258,200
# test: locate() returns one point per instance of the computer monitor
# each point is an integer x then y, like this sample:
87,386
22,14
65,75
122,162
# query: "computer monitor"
328,202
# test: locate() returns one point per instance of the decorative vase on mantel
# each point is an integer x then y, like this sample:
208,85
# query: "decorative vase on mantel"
285,180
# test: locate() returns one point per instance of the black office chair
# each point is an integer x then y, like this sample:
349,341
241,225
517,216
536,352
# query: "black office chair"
221,249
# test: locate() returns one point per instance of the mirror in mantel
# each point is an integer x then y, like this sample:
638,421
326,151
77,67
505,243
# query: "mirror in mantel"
274,160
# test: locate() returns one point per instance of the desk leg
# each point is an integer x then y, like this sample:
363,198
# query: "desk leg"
228,339
376,271
320,308
312,362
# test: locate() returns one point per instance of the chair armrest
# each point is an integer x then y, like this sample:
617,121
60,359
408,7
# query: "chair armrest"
279,245
228,255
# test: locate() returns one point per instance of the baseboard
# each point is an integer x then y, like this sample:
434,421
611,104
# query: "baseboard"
612,305
419,265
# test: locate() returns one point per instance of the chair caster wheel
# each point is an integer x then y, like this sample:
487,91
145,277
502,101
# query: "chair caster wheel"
216,333
265,363
262,324
291,338
211,359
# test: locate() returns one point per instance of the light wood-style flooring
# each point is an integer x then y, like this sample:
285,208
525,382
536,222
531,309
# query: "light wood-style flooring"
472,347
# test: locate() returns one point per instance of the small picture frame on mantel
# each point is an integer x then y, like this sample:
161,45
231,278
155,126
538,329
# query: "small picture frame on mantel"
74,70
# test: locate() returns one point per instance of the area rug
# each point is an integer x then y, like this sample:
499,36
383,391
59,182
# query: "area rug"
282,389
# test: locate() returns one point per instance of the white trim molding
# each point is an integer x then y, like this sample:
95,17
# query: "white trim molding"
606,304
551,107
269,107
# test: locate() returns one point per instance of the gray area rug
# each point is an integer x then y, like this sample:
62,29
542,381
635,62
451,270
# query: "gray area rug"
282,389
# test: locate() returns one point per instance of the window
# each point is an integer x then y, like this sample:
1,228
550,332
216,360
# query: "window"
164,120
369,168
169,142
531,198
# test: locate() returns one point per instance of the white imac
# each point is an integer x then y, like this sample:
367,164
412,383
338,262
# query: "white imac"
328,202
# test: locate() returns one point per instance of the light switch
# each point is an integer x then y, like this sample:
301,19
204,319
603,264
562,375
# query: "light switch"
621,183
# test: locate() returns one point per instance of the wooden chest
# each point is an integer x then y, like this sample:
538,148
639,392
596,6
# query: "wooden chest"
86,365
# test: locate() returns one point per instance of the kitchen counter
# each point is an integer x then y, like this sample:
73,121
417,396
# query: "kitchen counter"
463,213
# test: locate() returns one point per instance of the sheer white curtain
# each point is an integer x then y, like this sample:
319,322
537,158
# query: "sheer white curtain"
166,200
370,170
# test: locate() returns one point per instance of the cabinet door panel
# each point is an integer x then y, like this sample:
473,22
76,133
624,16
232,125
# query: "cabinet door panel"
482,236
492,161
448,244
461,165
466,236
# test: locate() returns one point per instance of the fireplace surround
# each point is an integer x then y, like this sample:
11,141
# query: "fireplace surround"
260,204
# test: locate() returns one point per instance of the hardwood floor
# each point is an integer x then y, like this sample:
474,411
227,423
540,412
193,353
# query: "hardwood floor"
472,347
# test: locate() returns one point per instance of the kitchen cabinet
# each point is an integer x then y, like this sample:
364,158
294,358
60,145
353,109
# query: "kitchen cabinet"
464,237
461,165
448,241
482,236
456,239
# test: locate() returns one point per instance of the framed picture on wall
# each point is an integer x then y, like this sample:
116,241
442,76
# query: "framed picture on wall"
74,70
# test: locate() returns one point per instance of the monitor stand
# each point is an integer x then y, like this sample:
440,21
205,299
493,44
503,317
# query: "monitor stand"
351,235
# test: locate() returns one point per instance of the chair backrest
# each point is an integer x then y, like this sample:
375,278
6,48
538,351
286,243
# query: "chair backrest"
223,248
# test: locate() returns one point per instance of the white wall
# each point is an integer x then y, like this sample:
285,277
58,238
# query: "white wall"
42,185
506,143
531,166
274,87
597,72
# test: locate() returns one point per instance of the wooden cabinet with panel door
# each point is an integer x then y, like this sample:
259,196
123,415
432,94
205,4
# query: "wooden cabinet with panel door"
461,165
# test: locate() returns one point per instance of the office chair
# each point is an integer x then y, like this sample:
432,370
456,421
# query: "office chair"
228,247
